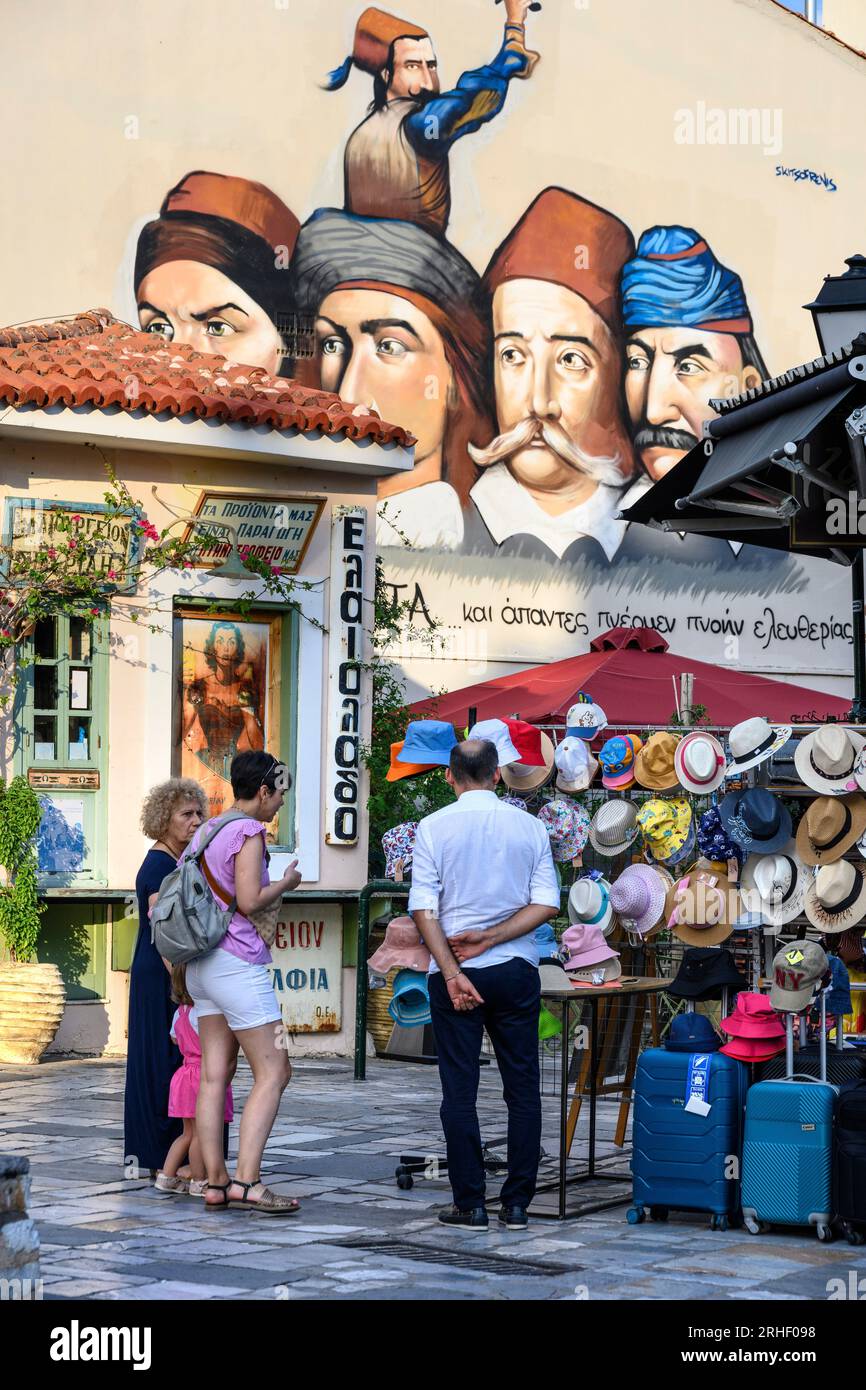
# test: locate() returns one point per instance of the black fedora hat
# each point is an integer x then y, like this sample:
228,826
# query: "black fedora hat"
703,972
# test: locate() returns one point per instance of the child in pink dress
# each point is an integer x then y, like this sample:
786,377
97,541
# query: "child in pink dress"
182,1097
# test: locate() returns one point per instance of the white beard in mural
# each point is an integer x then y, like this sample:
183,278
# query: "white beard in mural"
601,469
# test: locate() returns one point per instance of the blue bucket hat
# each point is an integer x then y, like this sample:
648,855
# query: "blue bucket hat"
428,741
410,1005
692,1033
756,819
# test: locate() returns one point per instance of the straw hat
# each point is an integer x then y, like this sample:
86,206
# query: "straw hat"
836,897
614,827
826,759
638,898
775,884
589,904
754,741
654,765
702,908
528,777
831,825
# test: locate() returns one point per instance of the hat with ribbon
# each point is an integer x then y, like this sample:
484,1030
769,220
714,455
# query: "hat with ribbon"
567,824
614,827
774,885
529,776
575,765
753,1016
831,825
495,731
753,741
654,765
617,757
428,741
753,1050
402,948
410,1003
586,945
798,969
527,740
585,720
756,819
399,770
691,1032
638,899
714,842
589,904
699,761
836,897
399,844
668,829
704,972
826,759
702,908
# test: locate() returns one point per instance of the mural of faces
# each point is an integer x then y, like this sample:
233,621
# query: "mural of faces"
195,304
415,69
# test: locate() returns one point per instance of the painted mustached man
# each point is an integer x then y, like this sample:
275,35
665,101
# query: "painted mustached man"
554,475
396,161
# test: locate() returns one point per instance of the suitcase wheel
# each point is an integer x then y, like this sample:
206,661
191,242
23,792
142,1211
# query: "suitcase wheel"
404,1178
853,1236
659,1213
635,1215
718,1223
825,1234
756,1228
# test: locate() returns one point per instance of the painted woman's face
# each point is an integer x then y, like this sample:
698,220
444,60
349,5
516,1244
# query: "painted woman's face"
224,645
187,302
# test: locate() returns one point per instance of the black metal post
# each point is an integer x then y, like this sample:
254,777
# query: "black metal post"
858,706
378,888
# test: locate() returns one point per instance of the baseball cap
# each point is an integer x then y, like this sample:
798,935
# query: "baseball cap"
797,969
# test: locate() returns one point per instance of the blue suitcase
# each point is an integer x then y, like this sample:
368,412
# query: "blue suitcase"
682,1159
787,1151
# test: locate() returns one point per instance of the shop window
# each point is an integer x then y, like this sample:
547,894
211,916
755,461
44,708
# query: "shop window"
72,936
235,687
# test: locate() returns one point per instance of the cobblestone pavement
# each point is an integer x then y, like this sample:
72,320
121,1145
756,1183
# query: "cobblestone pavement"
335,1146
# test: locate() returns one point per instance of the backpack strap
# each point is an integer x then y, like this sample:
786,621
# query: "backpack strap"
221,823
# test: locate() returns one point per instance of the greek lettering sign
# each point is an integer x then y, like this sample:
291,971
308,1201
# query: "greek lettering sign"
275,529
307,967
345,651
100,544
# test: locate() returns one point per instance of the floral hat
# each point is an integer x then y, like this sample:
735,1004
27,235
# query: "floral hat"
714,842
567,824
668,829
517,801
398,844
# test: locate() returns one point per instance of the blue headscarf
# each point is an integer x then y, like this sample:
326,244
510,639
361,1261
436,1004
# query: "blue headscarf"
675,281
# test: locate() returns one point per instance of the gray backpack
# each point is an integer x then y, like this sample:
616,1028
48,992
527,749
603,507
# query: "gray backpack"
186,921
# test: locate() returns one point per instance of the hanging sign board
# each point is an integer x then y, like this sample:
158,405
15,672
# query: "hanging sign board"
102,544
345,651
307,967
275,529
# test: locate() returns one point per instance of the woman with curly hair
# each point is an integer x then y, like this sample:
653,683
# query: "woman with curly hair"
170,816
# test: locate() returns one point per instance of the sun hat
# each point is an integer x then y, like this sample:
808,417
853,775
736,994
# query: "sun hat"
836,897
638,899
410,1003
614,827
527,740
753,741
704,972
714,842
617,757
753,1016
575,765
797,969
839,992
668,829
691,1032
826,759
756,819
753,1050
831,825
399,844
654,765
699,762
402,948
496,732
702,907
545,939
567,824
589,903
774,885
399,770
527,777
585,719
428,741
552,976
603,973
585,944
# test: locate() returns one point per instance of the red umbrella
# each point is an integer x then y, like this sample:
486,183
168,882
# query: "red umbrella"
628,673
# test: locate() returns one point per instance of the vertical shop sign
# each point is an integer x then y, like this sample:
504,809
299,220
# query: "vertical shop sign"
345,652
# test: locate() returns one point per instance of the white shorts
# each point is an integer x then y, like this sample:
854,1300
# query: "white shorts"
222,983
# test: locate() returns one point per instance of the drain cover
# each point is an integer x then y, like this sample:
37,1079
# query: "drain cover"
456,1259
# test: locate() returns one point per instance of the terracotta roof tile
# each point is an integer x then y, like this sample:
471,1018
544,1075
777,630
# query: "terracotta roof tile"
94,360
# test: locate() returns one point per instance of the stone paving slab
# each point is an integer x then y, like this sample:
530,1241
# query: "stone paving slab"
335,1145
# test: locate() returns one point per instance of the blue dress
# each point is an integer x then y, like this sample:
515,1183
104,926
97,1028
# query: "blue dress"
152,1058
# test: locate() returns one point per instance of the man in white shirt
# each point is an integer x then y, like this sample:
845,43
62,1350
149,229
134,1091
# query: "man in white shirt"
483,880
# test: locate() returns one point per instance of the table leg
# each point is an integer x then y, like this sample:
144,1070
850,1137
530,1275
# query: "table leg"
631,1064
564,1142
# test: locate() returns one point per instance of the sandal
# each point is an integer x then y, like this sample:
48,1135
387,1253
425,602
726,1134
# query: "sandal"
218,1187
269,1204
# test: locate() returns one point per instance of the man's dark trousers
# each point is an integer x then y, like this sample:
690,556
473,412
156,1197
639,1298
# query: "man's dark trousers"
512,996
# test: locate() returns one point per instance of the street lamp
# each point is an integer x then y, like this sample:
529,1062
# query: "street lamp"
839,312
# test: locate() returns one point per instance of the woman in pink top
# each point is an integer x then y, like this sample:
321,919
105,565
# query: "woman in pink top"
234,997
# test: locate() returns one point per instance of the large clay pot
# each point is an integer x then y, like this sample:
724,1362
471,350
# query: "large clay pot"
32,1000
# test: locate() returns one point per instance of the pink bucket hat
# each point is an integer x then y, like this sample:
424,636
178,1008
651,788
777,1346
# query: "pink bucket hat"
402,948
398,844
753,1049
586,946
754,1017
638,898
567,824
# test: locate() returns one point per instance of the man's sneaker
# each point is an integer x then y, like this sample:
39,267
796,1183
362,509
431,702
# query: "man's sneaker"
474,1220
513,1218
179,1187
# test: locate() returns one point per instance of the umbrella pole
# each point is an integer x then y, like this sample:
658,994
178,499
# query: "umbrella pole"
858,707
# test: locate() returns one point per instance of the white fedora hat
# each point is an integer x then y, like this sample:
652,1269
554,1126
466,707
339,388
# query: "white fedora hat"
826,759
754,741
699,760
589,902
836,896
774,885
